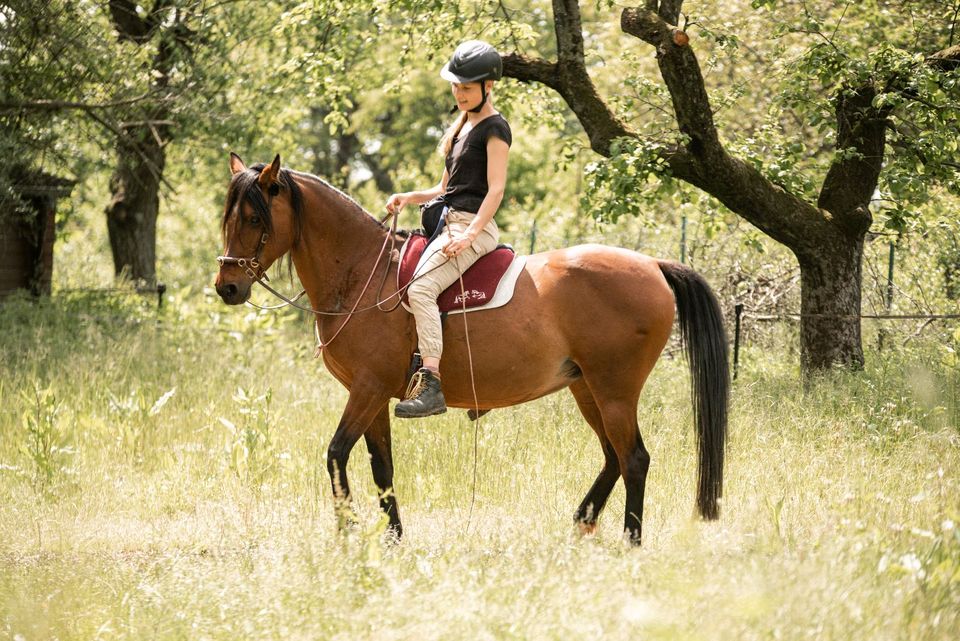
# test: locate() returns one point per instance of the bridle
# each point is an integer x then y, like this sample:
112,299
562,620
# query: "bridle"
250,266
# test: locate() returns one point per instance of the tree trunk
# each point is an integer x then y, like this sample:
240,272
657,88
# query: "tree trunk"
830,304
132,212
135,185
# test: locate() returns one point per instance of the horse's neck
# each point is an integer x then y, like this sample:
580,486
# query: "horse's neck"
338,247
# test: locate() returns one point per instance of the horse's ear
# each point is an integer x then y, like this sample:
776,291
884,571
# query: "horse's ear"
270,173
236,164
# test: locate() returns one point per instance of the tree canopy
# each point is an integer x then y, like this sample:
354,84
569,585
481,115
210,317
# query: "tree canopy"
822,124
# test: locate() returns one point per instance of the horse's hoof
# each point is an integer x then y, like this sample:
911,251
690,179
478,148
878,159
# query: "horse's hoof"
586,530
631,538
393,534
347,520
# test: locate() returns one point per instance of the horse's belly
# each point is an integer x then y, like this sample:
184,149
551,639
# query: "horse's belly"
518,355
505,386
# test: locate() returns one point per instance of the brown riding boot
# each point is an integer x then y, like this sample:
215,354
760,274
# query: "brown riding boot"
424,397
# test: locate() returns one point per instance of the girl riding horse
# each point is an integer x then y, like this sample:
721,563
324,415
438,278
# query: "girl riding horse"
475,150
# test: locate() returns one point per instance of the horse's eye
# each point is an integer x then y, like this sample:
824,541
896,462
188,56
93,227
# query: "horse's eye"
254,220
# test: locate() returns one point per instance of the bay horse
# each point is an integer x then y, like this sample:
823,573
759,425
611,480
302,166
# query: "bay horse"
590,318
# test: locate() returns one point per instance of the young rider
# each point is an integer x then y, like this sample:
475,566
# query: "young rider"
475,149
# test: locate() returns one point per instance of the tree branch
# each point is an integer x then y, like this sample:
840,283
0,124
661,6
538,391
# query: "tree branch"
58,105
569,77
702,162
946,60
127,139
853,175
681,73
861,130
129,26
741,187
670,10
527,69
781,215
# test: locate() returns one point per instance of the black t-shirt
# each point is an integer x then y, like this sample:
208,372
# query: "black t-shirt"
467,163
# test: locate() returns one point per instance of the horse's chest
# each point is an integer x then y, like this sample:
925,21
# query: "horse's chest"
339,370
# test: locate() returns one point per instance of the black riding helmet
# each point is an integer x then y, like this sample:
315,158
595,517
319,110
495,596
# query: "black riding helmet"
474,61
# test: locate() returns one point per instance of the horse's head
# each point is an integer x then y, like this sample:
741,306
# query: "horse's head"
261,222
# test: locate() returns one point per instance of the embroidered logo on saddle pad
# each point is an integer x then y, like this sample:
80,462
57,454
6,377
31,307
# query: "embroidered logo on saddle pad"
487,284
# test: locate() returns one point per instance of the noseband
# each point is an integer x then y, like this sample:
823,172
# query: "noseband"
251,266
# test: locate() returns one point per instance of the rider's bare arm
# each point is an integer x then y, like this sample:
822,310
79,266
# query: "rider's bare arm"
399,201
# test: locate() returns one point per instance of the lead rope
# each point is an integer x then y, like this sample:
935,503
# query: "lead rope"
473,386
287,302
399,293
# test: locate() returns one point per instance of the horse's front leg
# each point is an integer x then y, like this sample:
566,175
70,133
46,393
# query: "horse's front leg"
363,406
379,445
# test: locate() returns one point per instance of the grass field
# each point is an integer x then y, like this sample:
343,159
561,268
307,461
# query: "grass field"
162,477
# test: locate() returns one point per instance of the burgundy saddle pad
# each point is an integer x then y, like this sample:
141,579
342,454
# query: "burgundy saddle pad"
479,281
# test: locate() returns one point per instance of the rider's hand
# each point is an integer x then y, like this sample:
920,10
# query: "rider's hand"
457,243
396,202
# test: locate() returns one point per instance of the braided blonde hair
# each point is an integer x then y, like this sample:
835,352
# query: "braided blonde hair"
446,143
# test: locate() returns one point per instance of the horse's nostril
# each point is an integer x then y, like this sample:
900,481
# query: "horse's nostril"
228,291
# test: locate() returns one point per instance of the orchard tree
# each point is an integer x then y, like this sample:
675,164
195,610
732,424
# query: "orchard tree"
211,71
888,107
141,144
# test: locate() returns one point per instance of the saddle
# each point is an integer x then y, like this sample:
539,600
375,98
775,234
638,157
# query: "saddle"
487,284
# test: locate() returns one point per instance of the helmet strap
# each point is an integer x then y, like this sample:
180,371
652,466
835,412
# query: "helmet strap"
483,100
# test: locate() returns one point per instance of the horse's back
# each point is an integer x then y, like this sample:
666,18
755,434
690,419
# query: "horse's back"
599,277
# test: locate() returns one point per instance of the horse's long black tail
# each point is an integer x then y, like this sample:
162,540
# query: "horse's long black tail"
705,342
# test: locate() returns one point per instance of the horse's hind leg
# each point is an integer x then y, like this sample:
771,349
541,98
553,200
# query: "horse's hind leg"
615,392
592,504
379,445
620,427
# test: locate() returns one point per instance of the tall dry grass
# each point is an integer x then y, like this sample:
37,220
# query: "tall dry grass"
162,476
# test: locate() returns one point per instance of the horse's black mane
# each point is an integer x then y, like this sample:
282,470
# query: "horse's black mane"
402,233
244,185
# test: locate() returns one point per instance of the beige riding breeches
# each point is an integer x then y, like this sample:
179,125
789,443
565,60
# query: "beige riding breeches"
439,272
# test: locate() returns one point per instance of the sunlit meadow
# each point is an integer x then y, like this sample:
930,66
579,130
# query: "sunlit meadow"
162,476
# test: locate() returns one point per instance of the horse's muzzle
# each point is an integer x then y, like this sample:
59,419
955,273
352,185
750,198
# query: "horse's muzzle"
233,293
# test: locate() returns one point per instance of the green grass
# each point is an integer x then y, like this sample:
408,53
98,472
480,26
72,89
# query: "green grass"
162,476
